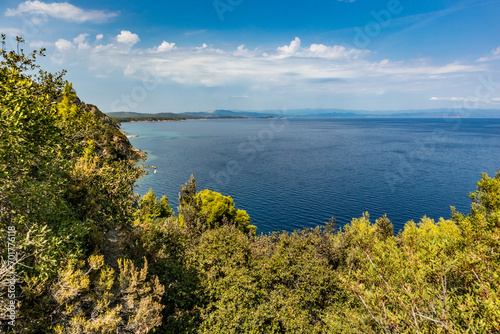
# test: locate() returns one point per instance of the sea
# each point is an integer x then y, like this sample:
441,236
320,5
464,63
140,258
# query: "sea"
294,173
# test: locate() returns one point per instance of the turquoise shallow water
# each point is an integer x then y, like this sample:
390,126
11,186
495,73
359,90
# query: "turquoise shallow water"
296,173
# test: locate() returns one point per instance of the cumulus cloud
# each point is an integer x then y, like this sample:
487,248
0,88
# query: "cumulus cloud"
99,37
126,37
320,51
494,55
241,51
165,46
60,10
290,49
64,45
80,38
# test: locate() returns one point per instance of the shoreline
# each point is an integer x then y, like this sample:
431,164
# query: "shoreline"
148,120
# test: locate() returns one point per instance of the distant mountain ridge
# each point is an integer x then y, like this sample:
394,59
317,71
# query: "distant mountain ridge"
319,113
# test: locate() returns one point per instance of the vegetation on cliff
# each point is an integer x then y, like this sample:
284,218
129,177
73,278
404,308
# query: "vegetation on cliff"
92,257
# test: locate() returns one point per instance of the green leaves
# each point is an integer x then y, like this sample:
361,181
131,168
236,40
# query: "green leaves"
91,298
209,209
150,207
66,178
218,209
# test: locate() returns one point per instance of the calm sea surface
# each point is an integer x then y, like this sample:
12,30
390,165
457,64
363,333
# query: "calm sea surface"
294,173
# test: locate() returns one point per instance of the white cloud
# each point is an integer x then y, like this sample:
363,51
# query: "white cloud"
333,52
62,10
80,38
314,69
451,99
165,46
468,100
292,48
494,55
99,37
241,51
126,37
64,45
81,42
320,51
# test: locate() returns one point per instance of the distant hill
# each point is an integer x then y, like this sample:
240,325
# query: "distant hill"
317,113
126,114
119,116
230,113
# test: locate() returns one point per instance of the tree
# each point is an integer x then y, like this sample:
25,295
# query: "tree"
189,209
67,108
218,209
166,210
209,209
384,227
150,207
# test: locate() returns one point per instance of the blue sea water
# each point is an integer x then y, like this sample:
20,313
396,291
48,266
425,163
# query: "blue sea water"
294,173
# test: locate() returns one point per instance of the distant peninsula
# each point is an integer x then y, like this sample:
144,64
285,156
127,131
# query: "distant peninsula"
121,117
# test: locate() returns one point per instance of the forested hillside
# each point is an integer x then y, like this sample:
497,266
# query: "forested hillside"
82,254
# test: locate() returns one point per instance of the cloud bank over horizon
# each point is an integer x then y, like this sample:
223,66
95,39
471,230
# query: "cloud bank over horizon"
204,64
294,66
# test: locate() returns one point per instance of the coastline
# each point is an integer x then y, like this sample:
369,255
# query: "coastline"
148,119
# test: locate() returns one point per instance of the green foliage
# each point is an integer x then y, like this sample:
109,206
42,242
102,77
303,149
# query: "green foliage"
166,210
218,209
188,206
270,284
209,209
165,245
384,228
66,178
67,108
93,299
150,207
432,278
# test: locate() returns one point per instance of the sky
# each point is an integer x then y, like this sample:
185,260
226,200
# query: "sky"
187,56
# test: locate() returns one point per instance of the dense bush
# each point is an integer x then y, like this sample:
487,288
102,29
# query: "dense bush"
66,185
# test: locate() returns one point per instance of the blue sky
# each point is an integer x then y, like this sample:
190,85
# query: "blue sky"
178,56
